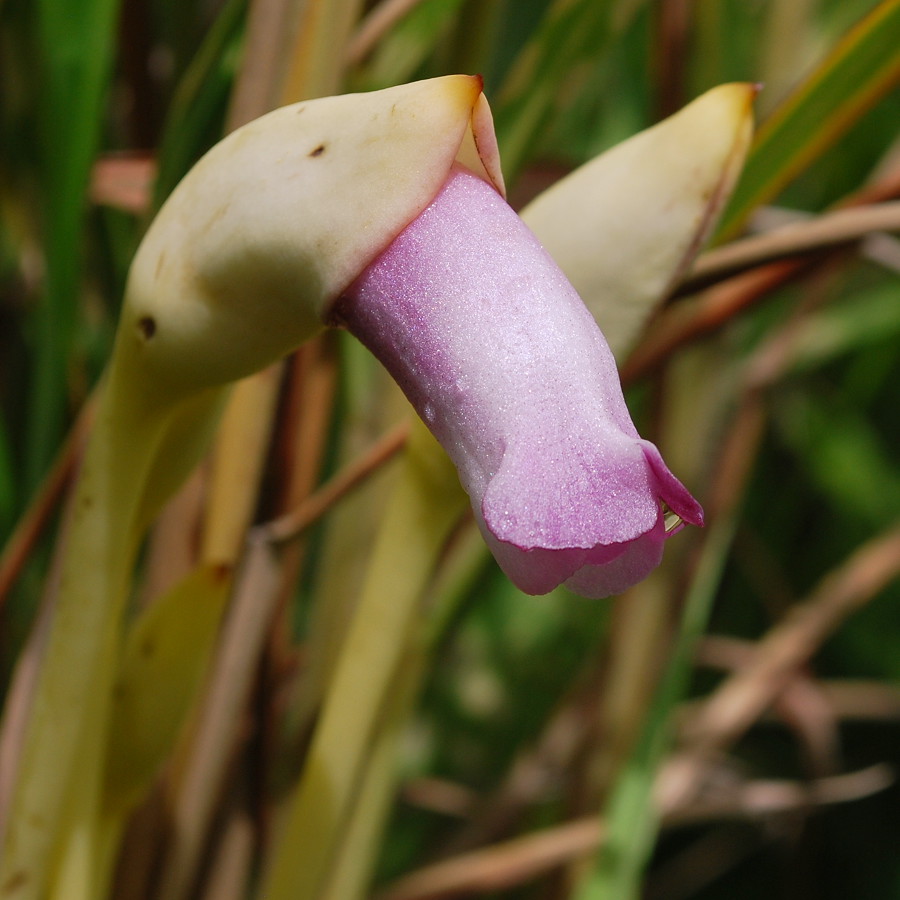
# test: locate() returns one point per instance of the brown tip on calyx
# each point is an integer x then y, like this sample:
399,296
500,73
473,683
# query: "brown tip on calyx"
754,89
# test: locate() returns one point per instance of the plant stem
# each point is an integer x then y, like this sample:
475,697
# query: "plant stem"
425,505
131,461
73,690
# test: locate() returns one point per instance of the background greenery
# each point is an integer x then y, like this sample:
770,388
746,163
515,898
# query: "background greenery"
775,398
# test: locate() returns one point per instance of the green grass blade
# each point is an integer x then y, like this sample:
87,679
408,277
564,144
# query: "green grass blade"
194,117
844,458
631,818
852,78
408,44
864,320
76,41
570,35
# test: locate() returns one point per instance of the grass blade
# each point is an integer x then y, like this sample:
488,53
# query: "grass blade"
852,78
632,821
571,33
76,41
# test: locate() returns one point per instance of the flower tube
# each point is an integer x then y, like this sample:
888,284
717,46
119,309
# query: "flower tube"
506,366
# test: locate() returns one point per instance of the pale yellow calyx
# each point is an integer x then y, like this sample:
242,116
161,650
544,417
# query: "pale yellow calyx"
626,225
245,257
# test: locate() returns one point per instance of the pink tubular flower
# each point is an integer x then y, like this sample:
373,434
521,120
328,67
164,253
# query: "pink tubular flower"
506,366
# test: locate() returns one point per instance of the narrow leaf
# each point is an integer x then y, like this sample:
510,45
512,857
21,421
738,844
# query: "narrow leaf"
165,657
570,33
76,43
852,78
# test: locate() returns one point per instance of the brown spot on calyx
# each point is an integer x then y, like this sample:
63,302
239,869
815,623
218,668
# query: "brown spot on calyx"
146,327
219,214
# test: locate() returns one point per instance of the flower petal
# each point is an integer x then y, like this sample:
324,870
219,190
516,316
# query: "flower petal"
633,565
503,362
591,486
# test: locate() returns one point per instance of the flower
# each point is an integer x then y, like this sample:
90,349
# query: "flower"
503,362
254,251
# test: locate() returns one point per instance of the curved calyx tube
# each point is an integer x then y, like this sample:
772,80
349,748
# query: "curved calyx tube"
254,244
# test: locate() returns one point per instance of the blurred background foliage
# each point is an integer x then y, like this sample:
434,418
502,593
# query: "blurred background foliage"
744,749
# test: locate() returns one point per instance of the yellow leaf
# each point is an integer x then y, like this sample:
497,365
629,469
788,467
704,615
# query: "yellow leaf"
165,657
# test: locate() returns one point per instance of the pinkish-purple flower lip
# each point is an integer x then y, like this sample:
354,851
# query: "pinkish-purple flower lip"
506,366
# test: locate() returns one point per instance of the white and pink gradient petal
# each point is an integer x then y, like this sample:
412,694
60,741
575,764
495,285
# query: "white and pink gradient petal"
638,559
506,366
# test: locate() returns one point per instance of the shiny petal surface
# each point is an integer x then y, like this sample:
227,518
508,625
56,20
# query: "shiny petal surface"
502,360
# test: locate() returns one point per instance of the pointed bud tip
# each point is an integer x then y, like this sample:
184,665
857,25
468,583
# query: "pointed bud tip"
732,100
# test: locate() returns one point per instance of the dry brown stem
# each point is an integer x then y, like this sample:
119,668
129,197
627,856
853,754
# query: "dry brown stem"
692,318
291,525
36,518
835,229
743,698
521,859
